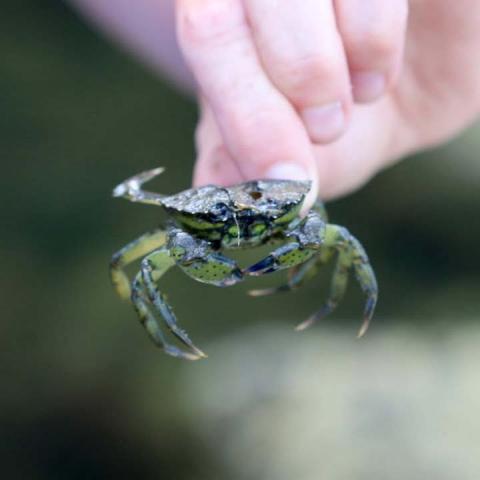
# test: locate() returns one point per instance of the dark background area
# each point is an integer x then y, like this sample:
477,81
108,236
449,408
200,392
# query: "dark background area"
84,394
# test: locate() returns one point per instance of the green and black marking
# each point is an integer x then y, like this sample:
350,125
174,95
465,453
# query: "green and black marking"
207,220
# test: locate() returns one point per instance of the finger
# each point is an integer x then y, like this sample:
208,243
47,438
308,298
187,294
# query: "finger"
377,137
302,52
214,164
260,129
373,33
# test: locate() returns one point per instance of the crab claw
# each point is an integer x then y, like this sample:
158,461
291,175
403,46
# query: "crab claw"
133,184
267,265
130,188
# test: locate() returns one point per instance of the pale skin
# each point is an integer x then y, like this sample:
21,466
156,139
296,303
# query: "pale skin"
330,90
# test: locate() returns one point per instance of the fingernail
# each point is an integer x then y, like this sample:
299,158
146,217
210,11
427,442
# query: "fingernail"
367,86
286,171
293,171
324,123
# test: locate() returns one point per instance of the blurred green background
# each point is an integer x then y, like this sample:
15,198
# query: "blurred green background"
85,395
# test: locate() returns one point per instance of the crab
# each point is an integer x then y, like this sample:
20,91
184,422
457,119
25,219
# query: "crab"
208,220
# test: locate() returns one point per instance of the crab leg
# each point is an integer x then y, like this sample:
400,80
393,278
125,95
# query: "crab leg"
286,256
337,291
129,253
315,238
201,262
214,269
150,323
351,255
130,188
154,266
297,275
309,238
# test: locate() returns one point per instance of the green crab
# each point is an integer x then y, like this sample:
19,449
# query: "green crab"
208,220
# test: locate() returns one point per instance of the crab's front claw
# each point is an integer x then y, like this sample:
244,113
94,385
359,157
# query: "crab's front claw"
266,265
286,256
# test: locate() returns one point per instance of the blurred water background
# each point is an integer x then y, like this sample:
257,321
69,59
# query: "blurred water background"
85,395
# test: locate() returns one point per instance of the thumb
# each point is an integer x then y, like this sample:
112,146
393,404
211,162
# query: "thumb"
288,157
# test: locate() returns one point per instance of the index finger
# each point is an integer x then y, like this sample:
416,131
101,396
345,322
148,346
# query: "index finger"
260,128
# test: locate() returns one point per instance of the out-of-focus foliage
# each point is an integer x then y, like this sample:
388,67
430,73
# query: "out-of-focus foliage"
84,394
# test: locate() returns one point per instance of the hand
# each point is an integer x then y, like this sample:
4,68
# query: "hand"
331,90
275,78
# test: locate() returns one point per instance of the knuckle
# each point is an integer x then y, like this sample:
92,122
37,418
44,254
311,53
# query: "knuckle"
260,135
306,73
248,130
381,43
201,21
377,45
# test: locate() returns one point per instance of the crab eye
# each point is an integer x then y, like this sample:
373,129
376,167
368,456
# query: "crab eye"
220,210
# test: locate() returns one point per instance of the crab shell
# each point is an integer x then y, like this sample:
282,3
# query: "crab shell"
270,198
210,220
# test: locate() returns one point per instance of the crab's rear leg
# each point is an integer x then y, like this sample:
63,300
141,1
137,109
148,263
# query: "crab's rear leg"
131,252
337,291
153,267
351,255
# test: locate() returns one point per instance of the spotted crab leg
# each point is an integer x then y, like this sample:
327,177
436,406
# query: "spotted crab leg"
154,266
297,275
129,253
351,256
150,323
317,239
130,188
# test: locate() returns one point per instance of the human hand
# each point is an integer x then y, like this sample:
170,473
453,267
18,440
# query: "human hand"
261,63
322,89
